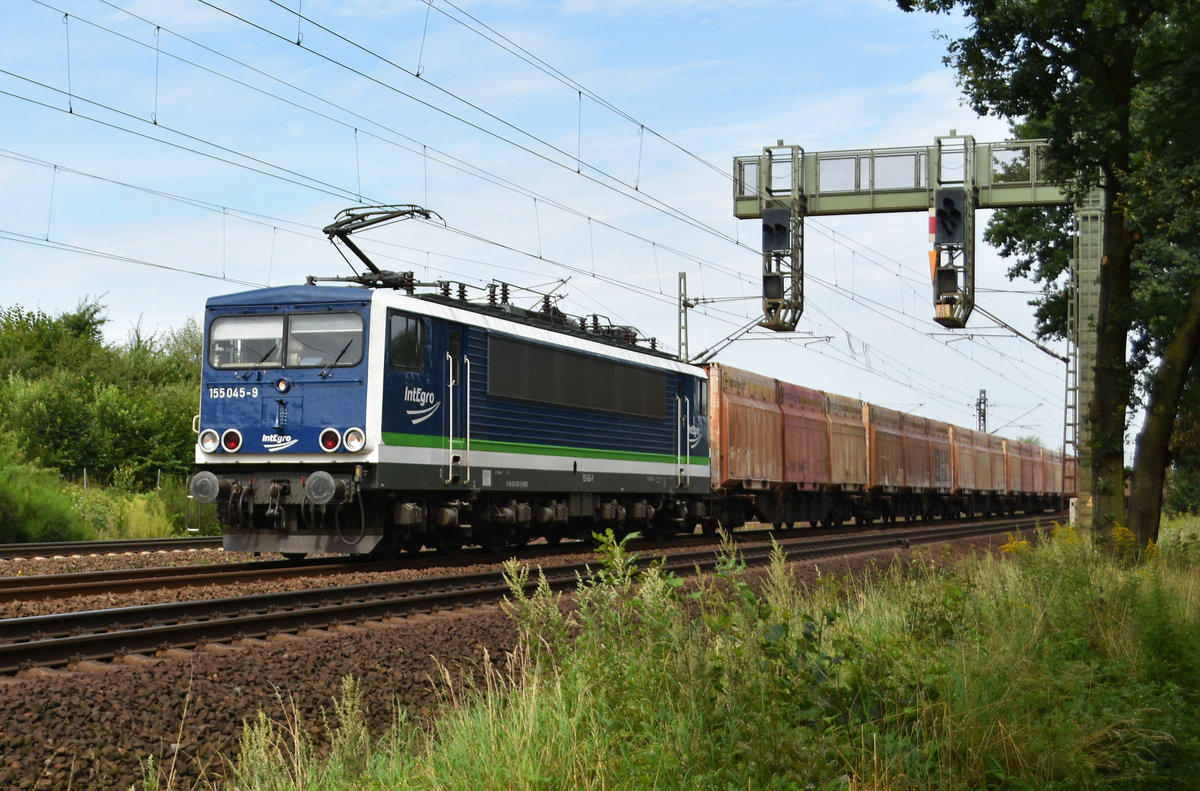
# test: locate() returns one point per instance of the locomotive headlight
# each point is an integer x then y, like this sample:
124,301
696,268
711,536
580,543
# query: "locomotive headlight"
330,440
322,488
205,487
231,440
209,440
355,439
283,385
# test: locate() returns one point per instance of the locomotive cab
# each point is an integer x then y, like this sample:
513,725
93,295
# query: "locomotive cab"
283,417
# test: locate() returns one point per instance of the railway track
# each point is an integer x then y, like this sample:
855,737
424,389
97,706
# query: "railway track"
71,548
116,581
59,586
56,641
49,586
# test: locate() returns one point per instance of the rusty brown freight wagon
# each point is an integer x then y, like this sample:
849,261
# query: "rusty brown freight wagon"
943,457
1034,458
1053,461
805,437
885,447
918,452
983,459
745,429
999,465
963,442
847,442
1013,483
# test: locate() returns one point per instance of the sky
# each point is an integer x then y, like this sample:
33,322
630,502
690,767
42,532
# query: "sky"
154,153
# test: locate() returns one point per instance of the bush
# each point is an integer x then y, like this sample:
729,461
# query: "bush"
1182,495
113,433
34,506
122,413
116,513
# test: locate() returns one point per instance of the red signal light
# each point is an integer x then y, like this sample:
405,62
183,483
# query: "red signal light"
330,440
231,440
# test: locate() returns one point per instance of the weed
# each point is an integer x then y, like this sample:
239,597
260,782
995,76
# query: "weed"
1051,667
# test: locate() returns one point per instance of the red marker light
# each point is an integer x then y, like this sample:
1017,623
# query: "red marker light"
330,440
231,440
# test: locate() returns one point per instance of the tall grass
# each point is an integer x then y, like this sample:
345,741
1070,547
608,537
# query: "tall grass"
38,504
33,505
1051,667
114,512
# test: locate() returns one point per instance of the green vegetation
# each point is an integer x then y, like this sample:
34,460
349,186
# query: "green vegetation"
1182,494
1050,667
95,439
34,506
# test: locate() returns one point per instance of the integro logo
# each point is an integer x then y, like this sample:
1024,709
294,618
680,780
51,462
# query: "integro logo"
419,396
426,403
278,442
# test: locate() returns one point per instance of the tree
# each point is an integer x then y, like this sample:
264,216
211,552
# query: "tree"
71,403
33,343
1183,489
1115,83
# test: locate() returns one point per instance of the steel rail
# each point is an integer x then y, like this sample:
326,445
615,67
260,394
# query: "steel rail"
60,640
69,548
47,586
51,586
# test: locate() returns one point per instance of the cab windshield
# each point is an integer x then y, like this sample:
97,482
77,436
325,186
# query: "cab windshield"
302,340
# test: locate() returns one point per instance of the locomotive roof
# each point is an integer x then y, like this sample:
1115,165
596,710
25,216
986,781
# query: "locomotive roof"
502,318
277,295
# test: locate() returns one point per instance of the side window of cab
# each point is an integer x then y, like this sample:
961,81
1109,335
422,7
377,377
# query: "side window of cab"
406,341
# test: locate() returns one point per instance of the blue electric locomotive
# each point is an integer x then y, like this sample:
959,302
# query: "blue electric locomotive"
357,420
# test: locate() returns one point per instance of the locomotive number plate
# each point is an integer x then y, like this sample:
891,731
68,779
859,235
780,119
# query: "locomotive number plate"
233,392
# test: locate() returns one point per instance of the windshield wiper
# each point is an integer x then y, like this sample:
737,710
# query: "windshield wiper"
246,374
336,360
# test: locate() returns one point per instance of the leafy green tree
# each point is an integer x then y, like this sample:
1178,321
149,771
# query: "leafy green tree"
1183,489
50,418
1116,84
185,345
72,403
33,343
